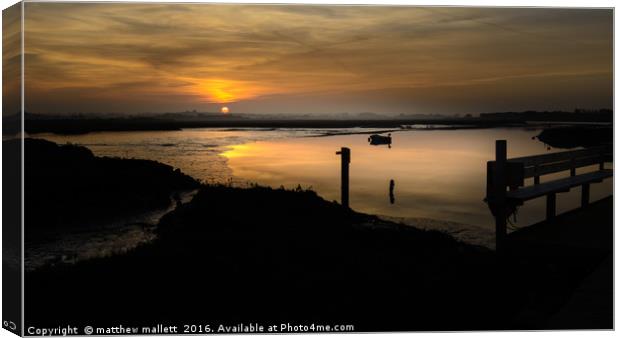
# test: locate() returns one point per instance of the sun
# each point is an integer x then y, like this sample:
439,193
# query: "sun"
225,110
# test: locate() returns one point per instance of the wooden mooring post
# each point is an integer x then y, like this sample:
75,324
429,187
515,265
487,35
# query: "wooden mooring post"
345,155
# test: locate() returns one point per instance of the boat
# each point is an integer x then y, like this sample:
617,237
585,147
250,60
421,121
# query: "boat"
377,139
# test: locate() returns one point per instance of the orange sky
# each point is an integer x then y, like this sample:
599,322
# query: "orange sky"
313,59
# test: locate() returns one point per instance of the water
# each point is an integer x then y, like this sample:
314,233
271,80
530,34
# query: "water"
439,175
196,151
96,239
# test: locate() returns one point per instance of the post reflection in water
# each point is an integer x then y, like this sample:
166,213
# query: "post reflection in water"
392,192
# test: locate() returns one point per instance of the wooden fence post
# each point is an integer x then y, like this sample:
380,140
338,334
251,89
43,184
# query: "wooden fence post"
345,155
585,194
499,194
550,206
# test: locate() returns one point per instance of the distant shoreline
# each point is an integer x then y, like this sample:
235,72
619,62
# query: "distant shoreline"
72,126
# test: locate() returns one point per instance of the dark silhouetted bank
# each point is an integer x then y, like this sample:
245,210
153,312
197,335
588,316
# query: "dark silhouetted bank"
66,185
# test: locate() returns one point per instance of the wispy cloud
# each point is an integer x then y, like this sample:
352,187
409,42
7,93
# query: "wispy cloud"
150,57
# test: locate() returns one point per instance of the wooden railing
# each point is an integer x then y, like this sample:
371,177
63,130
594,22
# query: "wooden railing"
506,180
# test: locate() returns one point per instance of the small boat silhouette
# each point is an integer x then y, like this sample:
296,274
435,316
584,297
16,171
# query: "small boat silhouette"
377,139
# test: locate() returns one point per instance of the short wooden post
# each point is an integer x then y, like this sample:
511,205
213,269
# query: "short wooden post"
550,206
585,194
499,195
345,155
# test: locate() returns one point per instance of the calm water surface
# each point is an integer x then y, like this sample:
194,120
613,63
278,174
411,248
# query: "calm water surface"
439,175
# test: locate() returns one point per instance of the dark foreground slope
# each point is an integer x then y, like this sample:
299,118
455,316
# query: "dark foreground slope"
66,185
260,254
273,256
575,241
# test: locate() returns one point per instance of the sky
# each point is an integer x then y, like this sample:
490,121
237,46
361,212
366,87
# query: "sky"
301,59
11,60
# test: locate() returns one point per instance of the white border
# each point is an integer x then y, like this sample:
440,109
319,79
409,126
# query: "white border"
472,3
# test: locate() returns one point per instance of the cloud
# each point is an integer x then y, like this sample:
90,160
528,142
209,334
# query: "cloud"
198,55
11,60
